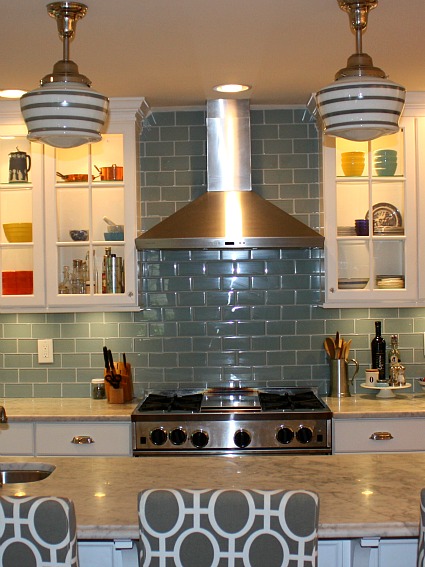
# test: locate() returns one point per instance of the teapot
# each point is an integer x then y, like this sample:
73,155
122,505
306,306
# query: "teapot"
19,166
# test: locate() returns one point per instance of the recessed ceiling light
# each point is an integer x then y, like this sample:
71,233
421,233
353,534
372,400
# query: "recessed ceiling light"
232,88
11,93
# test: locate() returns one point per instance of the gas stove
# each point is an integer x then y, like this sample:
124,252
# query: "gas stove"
232,421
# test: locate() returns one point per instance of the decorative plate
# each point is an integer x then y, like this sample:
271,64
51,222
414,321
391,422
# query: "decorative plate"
385,214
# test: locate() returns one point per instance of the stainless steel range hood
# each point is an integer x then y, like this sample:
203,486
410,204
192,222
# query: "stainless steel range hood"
230,214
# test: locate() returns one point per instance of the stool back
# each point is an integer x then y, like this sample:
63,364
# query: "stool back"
207,528
37,531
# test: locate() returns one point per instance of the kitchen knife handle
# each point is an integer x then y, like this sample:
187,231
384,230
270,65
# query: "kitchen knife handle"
82,440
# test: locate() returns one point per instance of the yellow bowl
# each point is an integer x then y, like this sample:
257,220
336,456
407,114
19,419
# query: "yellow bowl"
18,231
352,155
352,169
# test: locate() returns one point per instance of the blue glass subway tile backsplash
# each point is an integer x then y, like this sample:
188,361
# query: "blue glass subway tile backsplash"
252,316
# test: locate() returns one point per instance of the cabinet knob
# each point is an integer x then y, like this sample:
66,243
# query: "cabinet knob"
381,436
82,440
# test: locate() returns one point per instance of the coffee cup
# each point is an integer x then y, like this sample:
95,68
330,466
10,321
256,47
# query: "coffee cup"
372,376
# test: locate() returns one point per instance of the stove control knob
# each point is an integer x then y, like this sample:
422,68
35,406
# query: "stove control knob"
200,439
304,434
178,436
285,435
242,438
158,436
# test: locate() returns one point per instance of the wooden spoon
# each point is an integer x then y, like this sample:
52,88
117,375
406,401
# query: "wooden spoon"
330,347
347,349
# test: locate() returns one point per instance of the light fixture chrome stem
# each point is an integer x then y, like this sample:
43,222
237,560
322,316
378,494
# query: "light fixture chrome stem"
67,15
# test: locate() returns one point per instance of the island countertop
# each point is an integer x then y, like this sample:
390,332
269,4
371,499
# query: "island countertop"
360,495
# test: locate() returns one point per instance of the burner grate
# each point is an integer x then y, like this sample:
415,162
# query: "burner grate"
175,403
289,401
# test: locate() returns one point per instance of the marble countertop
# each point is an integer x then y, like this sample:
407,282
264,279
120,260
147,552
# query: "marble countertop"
86,409
369,406
360,495
66,409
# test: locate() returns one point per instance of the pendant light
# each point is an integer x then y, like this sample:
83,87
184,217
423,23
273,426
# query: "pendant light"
362,104
64,112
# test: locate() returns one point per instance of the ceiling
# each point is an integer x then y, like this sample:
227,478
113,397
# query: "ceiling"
174,51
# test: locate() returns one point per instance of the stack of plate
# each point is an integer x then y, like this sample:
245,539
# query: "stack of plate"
352,283
346,231
390,230
390,282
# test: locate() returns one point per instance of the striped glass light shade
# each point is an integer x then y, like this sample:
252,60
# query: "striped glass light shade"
64,114
360,108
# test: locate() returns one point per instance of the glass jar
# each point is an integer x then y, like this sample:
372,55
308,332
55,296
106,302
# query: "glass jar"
98,391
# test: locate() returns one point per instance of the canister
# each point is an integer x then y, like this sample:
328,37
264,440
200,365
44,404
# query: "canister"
98,391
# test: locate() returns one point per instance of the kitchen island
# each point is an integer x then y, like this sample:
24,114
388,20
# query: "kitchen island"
366,499
360,495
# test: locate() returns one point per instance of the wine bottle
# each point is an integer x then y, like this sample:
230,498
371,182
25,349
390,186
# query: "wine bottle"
378,351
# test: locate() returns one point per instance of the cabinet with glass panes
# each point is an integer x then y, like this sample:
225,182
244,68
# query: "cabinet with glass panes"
370,220
84,212
21,213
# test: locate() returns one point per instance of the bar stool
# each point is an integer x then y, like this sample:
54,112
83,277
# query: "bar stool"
207,528
37,532
421,542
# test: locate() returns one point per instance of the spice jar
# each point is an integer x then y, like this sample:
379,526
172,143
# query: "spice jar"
98,391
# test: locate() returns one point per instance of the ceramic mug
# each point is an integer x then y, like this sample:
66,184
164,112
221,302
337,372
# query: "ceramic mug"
372,376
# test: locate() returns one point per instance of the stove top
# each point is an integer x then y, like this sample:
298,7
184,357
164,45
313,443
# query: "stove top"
237,399
232,420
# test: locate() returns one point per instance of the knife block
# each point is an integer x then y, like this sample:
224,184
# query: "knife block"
126,379
114,395
125,392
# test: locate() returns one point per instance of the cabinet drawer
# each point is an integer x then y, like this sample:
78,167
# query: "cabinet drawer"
16,439
105,439
354,436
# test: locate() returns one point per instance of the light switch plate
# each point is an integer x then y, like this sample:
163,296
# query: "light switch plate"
45,351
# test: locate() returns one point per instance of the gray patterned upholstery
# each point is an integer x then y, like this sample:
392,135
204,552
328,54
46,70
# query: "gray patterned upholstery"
421,543
37,532
234,528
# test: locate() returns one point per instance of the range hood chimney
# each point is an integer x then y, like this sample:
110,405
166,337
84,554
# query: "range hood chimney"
230,214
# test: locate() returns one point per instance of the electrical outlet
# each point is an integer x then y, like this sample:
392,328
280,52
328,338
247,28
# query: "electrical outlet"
45,351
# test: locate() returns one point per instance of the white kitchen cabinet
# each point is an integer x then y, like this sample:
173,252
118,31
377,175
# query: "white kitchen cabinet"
379,267
21,263
378,435
16,439
107,553
83,439
334,553
56,206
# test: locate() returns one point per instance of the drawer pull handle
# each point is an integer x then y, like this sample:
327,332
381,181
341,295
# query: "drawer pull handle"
82,440
381,436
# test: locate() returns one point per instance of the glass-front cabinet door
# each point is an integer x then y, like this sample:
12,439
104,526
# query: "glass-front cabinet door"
370,220
21,219
68,217
90,251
